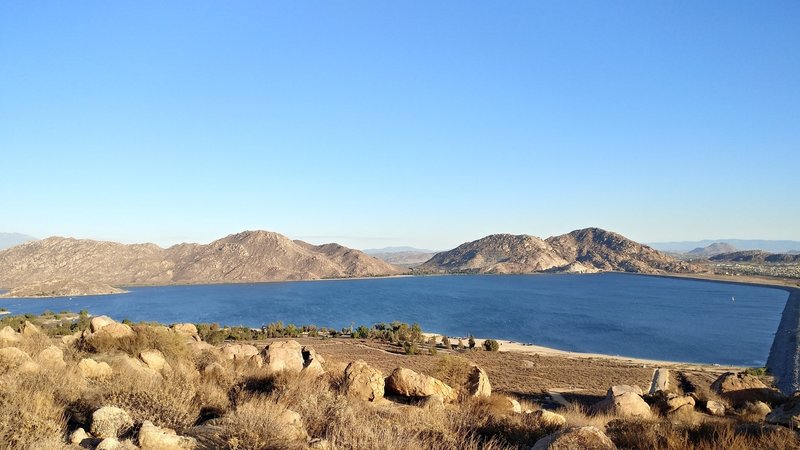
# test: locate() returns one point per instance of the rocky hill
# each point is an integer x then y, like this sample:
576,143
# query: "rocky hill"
61,288
756,256
250,256
711,250
587,250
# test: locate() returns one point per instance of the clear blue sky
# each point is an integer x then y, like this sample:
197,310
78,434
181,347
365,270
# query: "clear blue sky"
422,123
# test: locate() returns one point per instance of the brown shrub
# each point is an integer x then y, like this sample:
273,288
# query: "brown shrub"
171,344
29,411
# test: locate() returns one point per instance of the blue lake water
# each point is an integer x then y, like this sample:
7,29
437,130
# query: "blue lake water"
618,314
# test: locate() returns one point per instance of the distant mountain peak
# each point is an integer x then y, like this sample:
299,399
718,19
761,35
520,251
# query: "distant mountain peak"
8,240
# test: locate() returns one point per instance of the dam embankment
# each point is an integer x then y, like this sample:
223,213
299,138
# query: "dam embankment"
784,355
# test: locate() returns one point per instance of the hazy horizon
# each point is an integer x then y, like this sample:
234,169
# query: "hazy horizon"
379,124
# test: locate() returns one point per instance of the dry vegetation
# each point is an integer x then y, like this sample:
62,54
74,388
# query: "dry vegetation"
234,404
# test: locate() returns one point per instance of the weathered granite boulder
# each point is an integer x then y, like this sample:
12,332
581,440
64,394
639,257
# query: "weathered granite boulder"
8,335
29,329
97,323
52,357
576,439
741,388
756,409
624,401
312,362
188,329
478,383
79,436
110,422
154,359
90,368
131,366
715,408
239,352
362,381
506,404
12,357
787,414
549,419
283,355
660,381
408,383
152,437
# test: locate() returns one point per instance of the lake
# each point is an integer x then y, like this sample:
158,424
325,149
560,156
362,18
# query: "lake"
611,313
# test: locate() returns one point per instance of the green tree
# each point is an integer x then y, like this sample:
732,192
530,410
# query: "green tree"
471,341
490,345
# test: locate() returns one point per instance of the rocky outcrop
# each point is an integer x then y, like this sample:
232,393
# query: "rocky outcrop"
574,439
110,422
581,251
478,382
407,383
90,368
250,256
741,388
787,414
624,401
283,355
239,352
362,381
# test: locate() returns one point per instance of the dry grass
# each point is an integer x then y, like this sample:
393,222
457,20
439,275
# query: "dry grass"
145,337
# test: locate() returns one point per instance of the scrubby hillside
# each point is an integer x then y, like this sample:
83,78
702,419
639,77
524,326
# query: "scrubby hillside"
250,256
587,250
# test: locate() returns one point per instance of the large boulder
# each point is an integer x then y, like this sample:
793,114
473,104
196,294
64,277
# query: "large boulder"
715,408
549,419
52,357
478,382
90,368
362,381
741,388
660,381
29,329
408,383
154,359
576,439
239,352
189,329
152,437
787,414
110,422
8,335
99,322
624,401
312,362
283,355
505,404
13,357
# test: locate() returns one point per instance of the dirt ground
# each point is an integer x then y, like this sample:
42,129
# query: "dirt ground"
525,375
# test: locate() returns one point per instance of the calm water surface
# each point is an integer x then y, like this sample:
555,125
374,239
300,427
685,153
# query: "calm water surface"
618,314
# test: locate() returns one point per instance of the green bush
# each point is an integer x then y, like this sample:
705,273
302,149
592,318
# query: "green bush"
471,342
446,342
490,345
410,348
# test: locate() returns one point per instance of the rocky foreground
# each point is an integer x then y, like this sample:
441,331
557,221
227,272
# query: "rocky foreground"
113,385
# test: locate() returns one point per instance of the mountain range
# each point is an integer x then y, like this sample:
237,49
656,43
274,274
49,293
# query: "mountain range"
250,256
772,246
257,256
586,250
